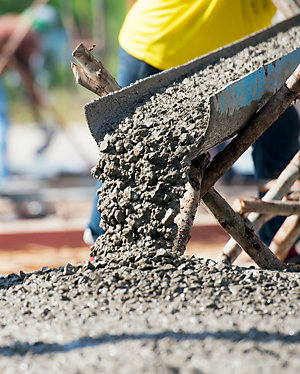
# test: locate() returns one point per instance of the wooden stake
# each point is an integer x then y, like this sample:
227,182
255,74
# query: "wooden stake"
189,204
279,189
92,74
241,231
286,237
274,208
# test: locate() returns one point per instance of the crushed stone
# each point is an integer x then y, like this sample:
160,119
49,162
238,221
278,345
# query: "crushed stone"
144,163
152,313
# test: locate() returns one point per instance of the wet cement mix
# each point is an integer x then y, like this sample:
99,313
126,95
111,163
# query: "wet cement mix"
139,307
144,163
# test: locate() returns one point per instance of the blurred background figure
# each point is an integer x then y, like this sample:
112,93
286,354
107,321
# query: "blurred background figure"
33,44
46,150
17,47
53,43
37,77
48,64
4,121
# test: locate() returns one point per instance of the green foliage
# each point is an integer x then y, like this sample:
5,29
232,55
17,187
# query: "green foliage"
13,6
17,6
115,13
81,12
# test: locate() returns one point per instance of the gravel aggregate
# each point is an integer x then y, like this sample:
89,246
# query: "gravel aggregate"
144,163
139,307
151,313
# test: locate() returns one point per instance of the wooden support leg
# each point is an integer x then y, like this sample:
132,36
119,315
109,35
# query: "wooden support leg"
286,237
190,203
241,231
280,188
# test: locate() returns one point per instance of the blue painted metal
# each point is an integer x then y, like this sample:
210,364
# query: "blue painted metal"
255,86
233,106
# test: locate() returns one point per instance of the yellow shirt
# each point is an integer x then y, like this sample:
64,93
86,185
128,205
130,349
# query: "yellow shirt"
168,33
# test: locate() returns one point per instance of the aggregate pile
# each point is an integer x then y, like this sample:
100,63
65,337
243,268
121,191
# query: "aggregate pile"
144,163
139,307
157,313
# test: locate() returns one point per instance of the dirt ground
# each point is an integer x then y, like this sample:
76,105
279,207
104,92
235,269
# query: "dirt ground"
30,244
37,257
34,256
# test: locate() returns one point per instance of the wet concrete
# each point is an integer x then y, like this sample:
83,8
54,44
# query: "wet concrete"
157,313
144,163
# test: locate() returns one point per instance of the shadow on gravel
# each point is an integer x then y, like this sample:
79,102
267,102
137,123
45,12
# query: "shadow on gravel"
39,348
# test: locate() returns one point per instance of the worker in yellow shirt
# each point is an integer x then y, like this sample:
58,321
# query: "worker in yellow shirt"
168,33
160,34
